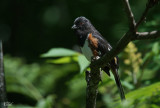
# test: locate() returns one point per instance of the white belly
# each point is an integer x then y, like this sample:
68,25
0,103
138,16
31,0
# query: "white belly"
87,51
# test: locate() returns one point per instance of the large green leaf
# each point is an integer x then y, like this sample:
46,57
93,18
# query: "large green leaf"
59,52
83,63
63,60
144,92
46,103
155,48
145,97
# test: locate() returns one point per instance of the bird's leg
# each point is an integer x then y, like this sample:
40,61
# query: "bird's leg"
94,58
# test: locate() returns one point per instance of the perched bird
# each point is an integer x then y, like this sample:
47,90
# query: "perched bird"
93,45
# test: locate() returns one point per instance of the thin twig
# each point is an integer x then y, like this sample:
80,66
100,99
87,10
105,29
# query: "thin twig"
147,35
130,15
142,18
129,36
149,5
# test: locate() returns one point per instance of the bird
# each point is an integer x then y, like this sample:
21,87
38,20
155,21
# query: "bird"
94,46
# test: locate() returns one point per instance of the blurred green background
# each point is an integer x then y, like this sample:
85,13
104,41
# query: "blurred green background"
43,66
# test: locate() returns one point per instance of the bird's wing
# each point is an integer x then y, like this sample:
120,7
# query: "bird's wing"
93,44
103,45
99,47
98,44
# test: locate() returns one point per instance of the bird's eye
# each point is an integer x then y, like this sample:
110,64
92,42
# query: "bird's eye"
81,23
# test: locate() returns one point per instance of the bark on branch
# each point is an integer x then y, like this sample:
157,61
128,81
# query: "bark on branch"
130,15
149,5
93,77
2,80
147,35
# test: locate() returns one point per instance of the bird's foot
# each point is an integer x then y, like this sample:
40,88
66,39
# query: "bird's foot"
94,58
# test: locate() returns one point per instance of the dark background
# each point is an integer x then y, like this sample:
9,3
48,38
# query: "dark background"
30,28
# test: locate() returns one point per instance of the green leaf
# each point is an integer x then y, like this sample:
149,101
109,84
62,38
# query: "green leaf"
143,97
83,63
47,103
128,85
147,56
155,48
144,92
59,52
63,60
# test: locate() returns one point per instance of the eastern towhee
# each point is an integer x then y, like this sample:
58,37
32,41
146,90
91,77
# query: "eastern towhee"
93,45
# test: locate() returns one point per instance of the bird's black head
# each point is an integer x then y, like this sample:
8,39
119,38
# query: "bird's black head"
82,26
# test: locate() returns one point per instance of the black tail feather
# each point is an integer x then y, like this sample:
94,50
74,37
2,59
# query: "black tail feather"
119,85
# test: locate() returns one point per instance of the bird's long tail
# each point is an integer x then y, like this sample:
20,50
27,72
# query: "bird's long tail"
119,85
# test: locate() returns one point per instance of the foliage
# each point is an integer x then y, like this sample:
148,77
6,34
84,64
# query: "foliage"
146,97
132,61
67,56
37,83
59,52
44,84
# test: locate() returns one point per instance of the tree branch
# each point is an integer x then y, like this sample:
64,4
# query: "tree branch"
142,18
147,35
103,61
130,15
92,78
2,80
149,5
129,36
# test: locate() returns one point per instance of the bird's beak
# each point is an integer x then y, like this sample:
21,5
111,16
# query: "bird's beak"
74,27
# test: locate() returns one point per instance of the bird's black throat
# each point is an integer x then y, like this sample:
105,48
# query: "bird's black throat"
81,36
